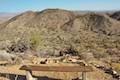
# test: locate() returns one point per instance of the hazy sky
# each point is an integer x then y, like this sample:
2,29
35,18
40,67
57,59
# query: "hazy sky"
24,5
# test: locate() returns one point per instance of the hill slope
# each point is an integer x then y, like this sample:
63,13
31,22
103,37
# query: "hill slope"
57,29
92,37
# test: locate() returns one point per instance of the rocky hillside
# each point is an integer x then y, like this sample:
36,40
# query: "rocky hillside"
96,23
56,29
94,37
62,19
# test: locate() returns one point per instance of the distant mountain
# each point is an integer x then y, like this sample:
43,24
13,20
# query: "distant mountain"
63,19
92,36
5,16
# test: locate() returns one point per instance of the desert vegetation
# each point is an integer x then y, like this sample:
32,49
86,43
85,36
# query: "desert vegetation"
56,33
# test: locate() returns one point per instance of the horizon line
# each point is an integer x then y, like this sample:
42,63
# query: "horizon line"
104,10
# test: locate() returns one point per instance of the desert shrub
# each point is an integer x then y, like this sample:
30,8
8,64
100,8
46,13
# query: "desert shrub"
81,48
71,51
57,53
102,50
36,41
98,54
45,52
17,60
87,56
12,58
4,44
113,51
116,66
19,46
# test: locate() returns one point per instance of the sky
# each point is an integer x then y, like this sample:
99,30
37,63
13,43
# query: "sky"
38,5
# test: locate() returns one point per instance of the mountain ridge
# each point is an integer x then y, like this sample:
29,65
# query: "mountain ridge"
60,26
34,19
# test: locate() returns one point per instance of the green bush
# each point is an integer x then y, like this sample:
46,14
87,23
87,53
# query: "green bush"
36,41
116,66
